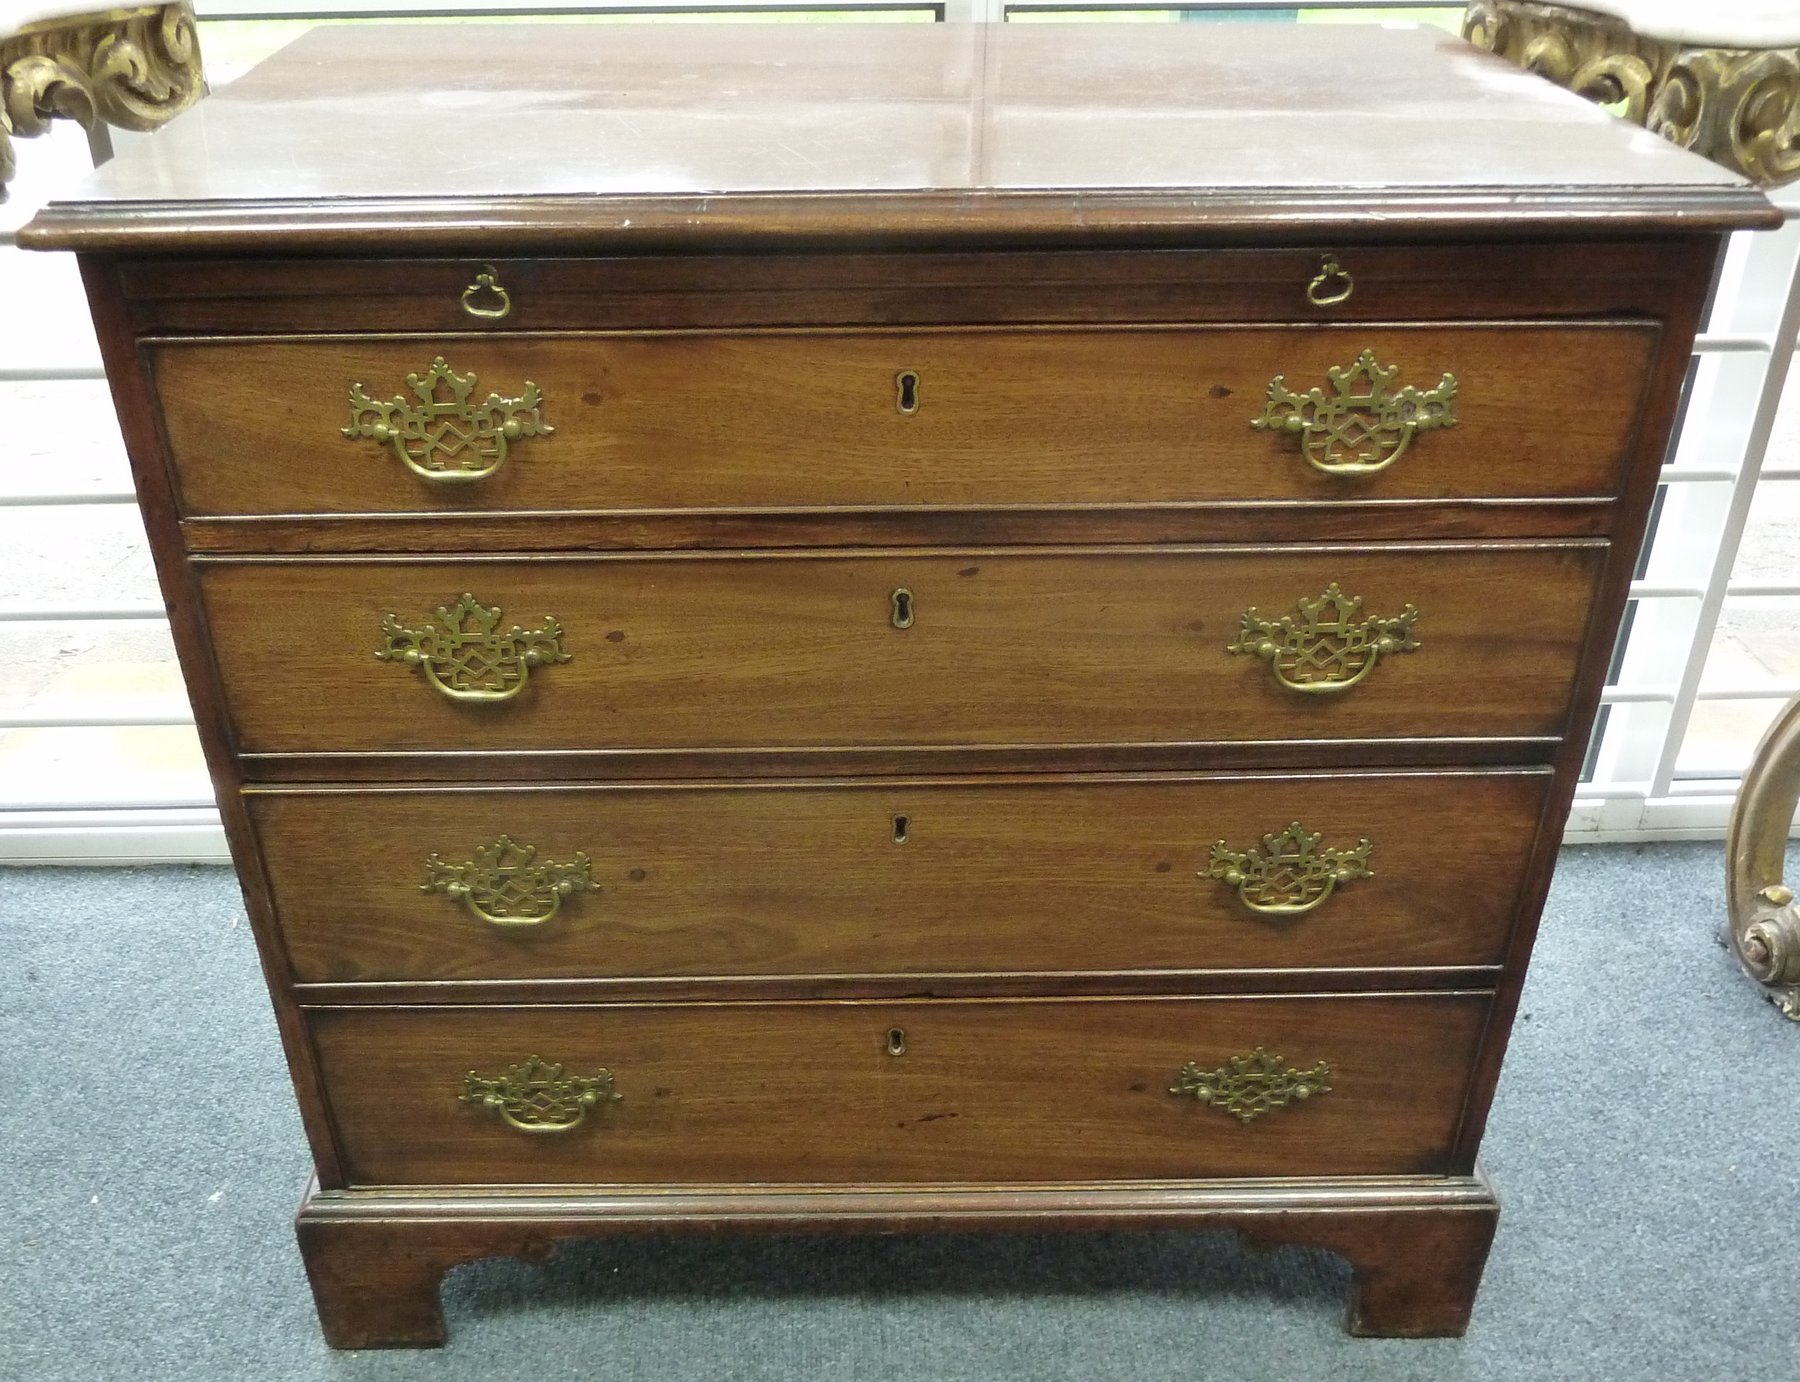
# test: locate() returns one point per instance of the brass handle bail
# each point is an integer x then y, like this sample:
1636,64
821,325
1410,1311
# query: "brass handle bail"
1331,285
1290,875
537,1097
487,281
1364,424
446,433
505,884
1327,650
465,654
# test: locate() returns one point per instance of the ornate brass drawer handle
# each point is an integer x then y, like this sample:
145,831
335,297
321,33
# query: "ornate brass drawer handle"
466,655
445,436
538,1097
1361,427
1249,1086
1327,649
1290,874
506,884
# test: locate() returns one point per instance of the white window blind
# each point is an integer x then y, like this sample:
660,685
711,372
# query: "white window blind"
98,756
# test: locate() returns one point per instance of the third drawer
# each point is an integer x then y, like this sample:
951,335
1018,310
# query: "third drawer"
1096,874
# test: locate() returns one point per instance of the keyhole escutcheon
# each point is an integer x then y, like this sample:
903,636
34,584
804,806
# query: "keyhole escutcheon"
902,829
896,1042
906,391
901,603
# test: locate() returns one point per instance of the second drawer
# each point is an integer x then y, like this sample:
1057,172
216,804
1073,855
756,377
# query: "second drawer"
987,649
1098,875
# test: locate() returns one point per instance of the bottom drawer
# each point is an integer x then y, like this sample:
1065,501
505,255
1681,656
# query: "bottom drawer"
916,1091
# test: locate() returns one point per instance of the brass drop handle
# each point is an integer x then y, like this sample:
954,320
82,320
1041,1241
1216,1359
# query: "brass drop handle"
1364,424
1327,650
445,433
466,655
1249,1086
537,1097
485,288
505,884
1290,875
1331,285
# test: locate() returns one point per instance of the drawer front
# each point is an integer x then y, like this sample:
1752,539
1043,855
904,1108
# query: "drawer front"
918,877
805,652
896,419
927,1091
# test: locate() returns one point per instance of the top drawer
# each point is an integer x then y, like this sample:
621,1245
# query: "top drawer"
959,418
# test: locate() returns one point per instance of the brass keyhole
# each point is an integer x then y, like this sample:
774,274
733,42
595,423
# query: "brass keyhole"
906,387
896,1042
902,829
902,602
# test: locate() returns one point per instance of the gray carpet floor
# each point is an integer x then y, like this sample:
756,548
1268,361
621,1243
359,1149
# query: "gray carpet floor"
150,1160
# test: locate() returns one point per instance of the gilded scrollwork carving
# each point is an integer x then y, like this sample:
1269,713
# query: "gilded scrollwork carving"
1745,104
1763,923
1739,107
135,68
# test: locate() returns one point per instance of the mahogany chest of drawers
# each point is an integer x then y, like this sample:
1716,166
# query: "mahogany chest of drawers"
883,629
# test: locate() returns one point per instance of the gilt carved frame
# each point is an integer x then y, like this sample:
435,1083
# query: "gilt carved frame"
1737,106
135,68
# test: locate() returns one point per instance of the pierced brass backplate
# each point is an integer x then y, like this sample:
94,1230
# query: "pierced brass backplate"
1290,874
465,653
1327,649
1249,1086
442,434
506,884
538,1097
1362,426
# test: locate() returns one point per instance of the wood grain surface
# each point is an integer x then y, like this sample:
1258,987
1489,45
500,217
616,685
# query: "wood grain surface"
811,419
779,651
1022,875
539,137
986,1090
1506,277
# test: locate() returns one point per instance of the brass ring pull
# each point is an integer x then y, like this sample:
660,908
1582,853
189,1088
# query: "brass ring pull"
443,434
537,1097
467,656
1327,649
1249,1086
1364,425
487,281
505,884
1333,273
1290,875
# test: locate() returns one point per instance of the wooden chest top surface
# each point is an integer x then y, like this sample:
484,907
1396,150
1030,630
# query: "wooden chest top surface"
656,134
